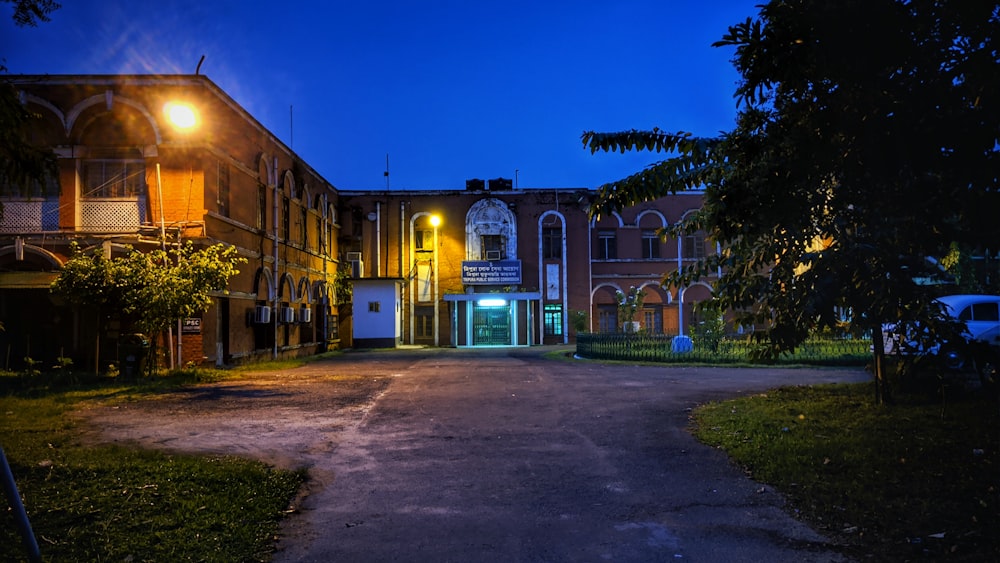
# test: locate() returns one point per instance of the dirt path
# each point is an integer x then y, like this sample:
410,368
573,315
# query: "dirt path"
502,455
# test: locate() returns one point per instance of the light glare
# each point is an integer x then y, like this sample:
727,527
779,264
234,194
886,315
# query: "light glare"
181,115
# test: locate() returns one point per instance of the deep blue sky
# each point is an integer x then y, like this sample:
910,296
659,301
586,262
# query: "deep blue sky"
450,90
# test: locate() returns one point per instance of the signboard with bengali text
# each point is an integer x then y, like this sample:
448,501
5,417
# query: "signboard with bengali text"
498,272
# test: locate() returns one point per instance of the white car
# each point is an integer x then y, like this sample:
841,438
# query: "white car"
980,344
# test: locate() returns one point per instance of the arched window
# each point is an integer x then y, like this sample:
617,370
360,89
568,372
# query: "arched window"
490,231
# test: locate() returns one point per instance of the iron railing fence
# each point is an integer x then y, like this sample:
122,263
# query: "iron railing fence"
664,348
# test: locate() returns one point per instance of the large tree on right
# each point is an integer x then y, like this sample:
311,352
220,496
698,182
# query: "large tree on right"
866,145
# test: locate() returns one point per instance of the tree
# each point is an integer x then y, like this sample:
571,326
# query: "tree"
866,142
628,304
155,288
30,12
23,166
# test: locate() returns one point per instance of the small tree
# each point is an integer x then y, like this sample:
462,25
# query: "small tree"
628,304
708,333
92,279
156,288
578,320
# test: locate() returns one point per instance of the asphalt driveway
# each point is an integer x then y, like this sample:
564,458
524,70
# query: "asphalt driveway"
492,455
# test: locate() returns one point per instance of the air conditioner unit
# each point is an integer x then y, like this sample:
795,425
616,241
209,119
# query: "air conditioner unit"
287,315
262,314
492,254
305,315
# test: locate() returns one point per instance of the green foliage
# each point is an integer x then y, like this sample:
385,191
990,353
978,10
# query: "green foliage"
578,320
343,290
156,288
628,304
972,271
912,483
865,143
658,348
24,168
709,332
31,369
30,12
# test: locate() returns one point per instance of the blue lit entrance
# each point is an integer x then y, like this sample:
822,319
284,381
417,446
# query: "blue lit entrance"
491,324
494,319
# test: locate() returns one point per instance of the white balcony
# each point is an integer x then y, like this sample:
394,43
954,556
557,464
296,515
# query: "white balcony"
34,215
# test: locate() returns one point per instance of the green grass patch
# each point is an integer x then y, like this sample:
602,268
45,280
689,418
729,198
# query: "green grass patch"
918,479
110,503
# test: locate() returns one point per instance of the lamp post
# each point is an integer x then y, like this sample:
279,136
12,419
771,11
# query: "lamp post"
183,118
435,221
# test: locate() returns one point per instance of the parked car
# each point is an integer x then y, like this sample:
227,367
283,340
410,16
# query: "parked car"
978,346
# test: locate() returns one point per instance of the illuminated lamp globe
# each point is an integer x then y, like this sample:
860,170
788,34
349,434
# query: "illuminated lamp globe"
181,116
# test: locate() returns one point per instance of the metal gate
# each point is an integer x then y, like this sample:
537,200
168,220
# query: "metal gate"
491,325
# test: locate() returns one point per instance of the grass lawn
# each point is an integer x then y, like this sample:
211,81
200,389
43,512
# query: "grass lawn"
112,503
918,480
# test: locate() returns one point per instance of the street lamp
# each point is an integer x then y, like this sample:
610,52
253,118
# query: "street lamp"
184,118
435,221
180,115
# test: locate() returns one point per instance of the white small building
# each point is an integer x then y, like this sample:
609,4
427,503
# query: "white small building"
377,306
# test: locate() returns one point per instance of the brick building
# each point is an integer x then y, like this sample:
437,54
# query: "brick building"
128,176
510,266
503,267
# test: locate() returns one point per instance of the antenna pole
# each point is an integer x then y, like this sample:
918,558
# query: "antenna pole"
386,171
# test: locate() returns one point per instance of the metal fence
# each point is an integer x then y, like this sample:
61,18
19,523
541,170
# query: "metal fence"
666,349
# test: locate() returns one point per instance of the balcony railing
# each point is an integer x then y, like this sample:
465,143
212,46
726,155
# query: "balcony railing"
109,215
112,214
30,215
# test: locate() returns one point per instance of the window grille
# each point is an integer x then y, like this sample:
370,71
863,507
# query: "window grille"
304,226
222,189
607,244
423,239
650,244
285,218
553,320
551,243
423,322
607,319
652,318
106,178
261,206
694,246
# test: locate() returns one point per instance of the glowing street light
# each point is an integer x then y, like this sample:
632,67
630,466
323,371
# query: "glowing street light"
184,118
181,115
435,221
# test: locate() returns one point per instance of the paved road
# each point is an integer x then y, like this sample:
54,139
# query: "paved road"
500,455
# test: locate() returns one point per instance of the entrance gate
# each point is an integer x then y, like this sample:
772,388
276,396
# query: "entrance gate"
491,325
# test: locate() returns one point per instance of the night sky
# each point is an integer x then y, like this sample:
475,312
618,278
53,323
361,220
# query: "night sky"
449,90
